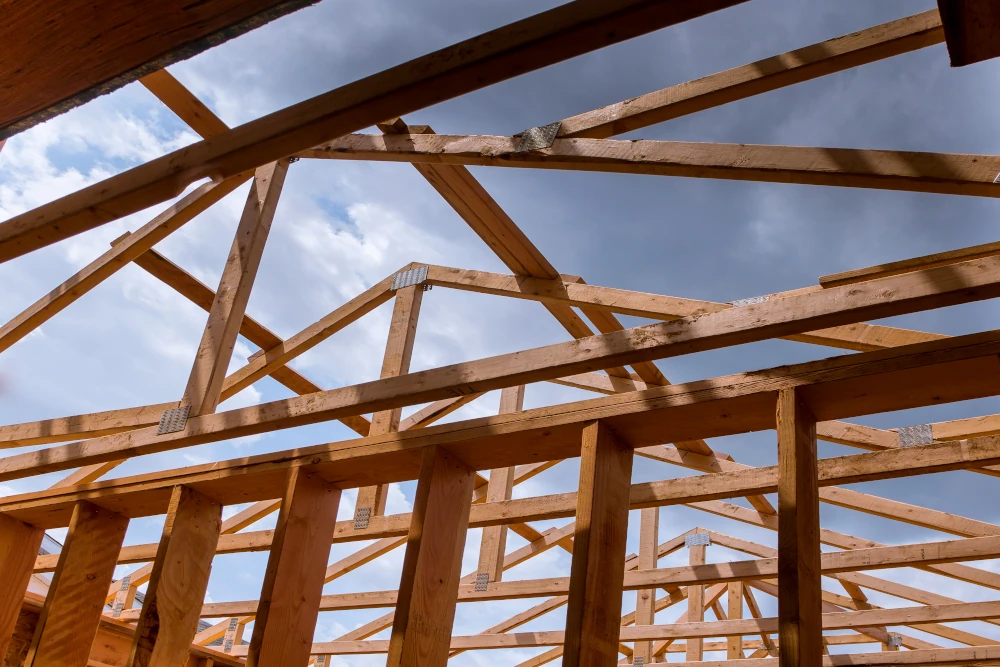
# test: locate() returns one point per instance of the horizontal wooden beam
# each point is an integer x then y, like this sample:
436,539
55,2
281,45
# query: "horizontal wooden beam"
933,288
544,39
941,656
941,173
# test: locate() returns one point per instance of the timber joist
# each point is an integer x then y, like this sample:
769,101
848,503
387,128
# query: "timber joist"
467,471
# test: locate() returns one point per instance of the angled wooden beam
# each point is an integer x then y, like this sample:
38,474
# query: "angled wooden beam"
428,587
527,45
182,102
494,540
395,362
19,545
69,620
969,281
908,265
799,609
769,645
177,585
810,62
594,607
645,604
293,581
204,387
970,28
105,266
940,173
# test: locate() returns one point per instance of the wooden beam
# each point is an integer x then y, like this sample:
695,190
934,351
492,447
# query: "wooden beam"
645,603
428,587
594,605
69,620
19,545
799,609
734,645
105,266
108,48
971,28
544,39
395,362
978,279
204,387
494,541
940,173
951,656
293,581
177,585
810,62
909,265
696,602
179,99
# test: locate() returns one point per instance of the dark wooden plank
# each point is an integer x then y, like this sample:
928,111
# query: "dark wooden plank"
800,625
971,29
59,55
428,587
593,612
72,613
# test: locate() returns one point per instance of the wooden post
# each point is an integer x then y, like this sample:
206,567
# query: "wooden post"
71,614
177,585
398,351
645,603
234,634
494,544
208,372
19,545
800,630
734,645
293,581
428,587
695,596
593,612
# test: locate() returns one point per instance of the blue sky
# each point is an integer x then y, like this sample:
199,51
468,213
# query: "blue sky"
342,226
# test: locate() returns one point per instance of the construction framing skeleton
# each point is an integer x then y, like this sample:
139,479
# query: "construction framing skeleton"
466,470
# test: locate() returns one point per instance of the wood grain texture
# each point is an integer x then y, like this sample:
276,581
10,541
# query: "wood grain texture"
72,613
428,587
293,581
799,602
593,611
734,645
971,28
19,545
645,603
179,579
696,603
57,57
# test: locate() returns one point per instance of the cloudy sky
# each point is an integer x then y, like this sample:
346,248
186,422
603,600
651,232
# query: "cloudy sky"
342,226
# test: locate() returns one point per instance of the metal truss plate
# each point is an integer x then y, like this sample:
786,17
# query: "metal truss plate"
535,138
895,639
920,434
739,303
482,581
362,517
173,420
638,661
120,597
698,540
409,277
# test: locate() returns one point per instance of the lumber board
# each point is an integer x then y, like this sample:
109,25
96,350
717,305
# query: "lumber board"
970,29
19,545
527,45
907,171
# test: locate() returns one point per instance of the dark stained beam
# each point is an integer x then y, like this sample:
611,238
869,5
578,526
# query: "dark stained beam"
59,55
971,29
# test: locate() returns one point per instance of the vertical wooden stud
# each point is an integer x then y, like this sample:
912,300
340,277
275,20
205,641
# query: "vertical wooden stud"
645,603
501,486
72,611
170,610
734,645
800,630
19,545
593,612
428,587
398,352
293,581
696,603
